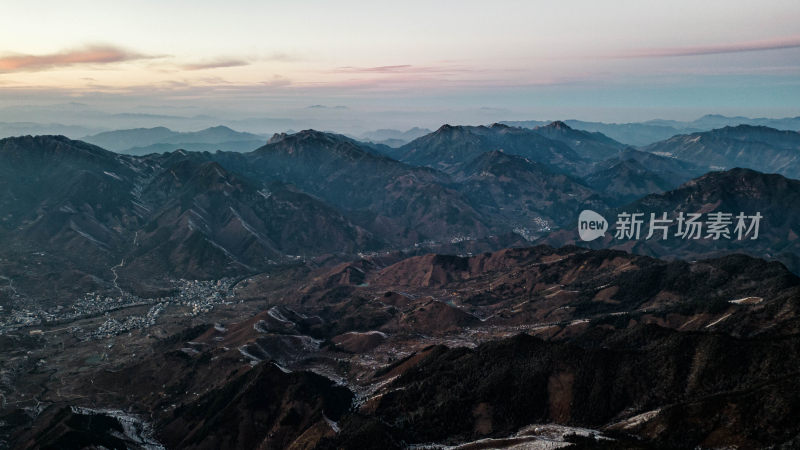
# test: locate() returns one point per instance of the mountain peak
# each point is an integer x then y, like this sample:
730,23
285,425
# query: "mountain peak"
303,136
734,174
51,144
219,128
447,127
744,127
311,142
277,137
558,125
320,137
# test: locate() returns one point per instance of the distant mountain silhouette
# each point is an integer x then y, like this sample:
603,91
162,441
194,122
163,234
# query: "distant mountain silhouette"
651,131
394,138
142,141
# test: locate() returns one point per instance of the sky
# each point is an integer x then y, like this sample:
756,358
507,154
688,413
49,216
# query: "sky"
359,65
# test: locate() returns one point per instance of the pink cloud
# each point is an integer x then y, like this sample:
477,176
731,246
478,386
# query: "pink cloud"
96,54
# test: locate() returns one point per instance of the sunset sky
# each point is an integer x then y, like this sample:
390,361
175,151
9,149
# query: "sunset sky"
367,64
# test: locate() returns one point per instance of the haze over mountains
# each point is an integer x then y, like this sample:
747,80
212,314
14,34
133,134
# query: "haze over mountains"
394,138
78,121
318,291
142,141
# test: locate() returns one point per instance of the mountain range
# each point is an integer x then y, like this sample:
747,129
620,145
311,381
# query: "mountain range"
317,291
651,131
312,193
